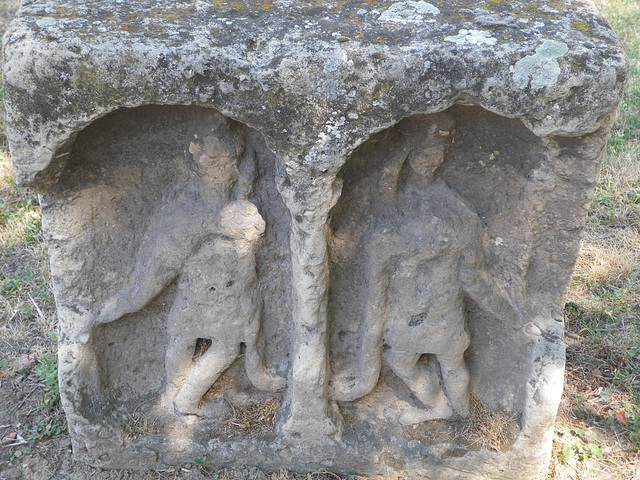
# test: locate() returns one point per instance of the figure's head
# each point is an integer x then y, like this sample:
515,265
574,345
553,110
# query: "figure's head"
429,138
217,155
241,220
414,149
425,161
218,158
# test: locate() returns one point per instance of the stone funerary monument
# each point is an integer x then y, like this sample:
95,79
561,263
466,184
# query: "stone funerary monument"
354,220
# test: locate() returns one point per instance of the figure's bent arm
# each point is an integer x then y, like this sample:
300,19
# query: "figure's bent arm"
478,283
262,377
359,382
171,240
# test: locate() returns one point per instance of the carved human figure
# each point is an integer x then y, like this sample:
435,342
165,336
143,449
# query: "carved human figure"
423,254
209,251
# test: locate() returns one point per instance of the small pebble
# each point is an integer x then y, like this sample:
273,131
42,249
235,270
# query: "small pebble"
9,438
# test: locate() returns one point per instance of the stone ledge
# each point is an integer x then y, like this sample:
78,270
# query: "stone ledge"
302,71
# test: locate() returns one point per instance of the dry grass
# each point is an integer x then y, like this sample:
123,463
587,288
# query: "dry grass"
252,419
140,424
485,429
27,309
597,432
488,429
610,251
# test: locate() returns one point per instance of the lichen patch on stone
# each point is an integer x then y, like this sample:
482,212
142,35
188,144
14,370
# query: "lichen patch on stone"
46,21
541,69
473,37
408,12
336,60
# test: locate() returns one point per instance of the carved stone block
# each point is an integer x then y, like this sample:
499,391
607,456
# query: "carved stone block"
311,234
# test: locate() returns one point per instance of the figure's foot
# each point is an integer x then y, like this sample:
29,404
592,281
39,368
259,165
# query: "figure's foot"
346,388
315,426
429,391
166,400
186,410
462,407
185,414
268,380
185,405
440,410
437,407
426,385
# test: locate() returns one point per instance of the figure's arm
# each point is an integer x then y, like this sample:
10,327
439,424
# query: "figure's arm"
170,240
480,285
262,377
360,381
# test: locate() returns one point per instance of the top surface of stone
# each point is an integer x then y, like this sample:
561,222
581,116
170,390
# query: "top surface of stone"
317,78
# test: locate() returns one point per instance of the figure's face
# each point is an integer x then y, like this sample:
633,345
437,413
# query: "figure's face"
218,160
428,151
425,161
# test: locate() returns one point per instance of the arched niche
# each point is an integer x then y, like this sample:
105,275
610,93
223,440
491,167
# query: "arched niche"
134,206
505,182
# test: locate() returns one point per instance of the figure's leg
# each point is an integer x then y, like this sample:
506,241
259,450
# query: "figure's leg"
202,374
262,377
177,361
422,380
456,377
364,377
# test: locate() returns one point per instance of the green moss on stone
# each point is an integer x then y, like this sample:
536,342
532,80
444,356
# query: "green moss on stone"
274,99
87,78
580,25
382,88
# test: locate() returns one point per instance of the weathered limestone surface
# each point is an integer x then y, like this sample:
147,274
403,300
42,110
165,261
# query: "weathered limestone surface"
362,212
